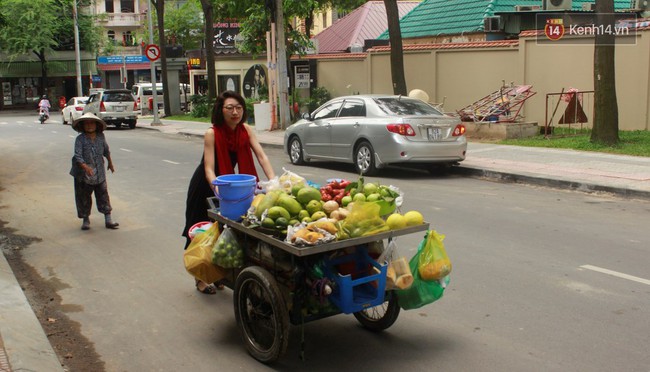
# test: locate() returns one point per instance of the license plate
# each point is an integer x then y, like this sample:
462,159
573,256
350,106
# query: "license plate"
119,108
433,134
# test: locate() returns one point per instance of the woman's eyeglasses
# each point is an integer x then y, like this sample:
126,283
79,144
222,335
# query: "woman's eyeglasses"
233,108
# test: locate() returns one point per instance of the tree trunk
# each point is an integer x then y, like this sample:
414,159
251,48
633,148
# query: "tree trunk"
283,76
208,14
160,12
605,128
44,79
396,53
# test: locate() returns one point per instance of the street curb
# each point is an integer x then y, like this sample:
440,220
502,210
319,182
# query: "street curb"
549,182
26,345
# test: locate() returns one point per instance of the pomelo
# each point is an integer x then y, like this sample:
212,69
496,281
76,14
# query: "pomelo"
396,221
413,218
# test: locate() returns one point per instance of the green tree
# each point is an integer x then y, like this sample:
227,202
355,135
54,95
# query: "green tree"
40,27
605,128
184,24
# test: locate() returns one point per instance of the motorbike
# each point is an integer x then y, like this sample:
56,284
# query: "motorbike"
43,115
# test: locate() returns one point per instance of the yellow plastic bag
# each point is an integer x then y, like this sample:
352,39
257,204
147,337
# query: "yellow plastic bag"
434,264
198,256
363,220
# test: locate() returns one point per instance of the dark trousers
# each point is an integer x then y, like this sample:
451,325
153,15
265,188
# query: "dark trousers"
83,197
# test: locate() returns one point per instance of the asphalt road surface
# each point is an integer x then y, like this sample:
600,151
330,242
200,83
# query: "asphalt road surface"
542,279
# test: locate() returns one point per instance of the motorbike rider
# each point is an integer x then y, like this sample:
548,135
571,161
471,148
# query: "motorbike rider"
44,106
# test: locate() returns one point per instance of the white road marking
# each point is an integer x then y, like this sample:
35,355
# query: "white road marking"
54,131
72,136
170,162
127,150
616,273
3,122
21,122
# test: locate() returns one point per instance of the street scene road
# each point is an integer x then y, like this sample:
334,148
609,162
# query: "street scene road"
543,279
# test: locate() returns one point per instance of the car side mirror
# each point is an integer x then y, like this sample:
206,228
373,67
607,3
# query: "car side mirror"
306,116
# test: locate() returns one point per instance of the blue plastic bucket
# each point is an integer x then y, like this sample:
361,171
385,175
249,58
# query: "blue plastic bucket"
236,192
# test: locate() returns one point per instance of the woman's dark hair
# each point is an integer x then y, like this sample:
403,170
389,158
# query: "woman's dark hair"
217,110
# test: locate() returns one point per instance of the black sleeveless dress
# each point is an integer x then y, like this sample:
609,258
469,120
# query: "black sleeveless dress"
196,209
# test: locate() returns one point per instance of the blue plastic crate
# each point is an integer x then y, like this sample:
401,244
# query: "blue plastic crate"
356,285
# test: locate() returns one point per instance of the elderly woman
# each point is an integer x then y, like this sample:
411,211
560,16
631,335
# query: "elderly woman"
90,148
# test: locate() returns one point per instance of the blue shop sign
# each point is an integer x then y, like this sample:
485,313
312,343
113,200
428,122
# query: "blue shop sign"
113,60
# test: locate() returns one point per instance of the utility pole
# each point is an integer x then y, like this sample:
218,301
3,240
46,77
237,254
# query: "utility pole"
76,49
156,120
283,82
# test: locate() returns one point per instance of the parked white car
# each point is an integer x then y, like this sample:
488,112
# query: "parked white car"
73,109
144,91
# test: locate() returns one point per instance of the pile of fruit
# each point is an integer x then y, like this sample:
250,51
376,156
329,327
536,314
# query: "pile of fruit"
303,205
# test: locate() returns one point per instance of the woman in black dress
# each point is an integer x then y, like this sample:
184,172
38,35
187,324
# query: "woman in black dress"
228,143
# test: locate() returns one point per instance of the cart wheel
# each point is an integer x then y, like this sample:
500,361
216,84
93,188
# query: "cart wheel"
382,316
261,314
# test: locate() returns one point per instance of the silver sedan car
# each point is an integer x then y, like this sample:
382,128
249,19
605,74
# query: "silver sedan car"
373,131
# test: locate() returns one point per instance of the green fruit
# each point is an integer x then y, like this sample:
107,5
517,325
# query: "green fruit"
370,188
318,215
277,211
289,203
267,202
307,194
314,206
306,220
296,188
346,200
293,222
281,223
303,213
268,223
359,197
373,197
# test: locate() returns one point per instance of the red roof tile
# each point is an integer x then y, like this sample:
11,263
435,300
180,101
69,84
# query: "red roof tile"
366,22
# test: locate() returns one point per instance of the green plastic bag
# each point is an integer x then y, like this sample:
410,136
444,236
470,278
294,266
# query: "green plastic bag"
421,292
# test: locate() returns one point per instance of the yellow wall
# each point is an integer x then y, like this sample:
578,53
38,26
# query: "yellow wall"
465,75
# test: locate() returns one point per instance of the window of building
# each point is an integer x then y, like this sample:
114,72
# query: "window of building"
109,6
127,38
111,35
127,6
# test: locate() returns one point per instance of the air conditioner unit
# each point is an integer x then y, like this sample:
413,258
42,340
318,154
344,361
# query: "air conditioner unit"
557,4
640,4
588,7
526,8
491,24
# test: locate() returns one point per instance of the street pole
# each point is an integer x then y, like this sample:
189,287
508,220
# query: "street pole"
76,49
156,120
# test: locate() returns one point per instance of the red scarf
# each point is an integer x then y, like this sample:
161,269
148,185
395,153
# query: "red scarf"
227,141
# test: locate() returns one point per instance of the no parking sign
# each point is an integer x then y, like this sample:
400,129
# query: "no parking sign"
152,51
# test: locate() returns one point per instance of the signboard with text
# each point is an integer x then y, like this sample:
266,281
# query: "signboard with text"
224,36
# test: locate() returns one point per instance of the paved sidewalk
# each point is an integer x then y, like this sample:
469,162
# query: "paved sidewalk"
622,175
25,347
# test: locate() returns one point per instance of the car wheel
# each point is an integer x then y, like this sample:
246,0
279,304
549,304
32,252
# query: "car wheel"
132,124
71,119
63,119
296,154
364,159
